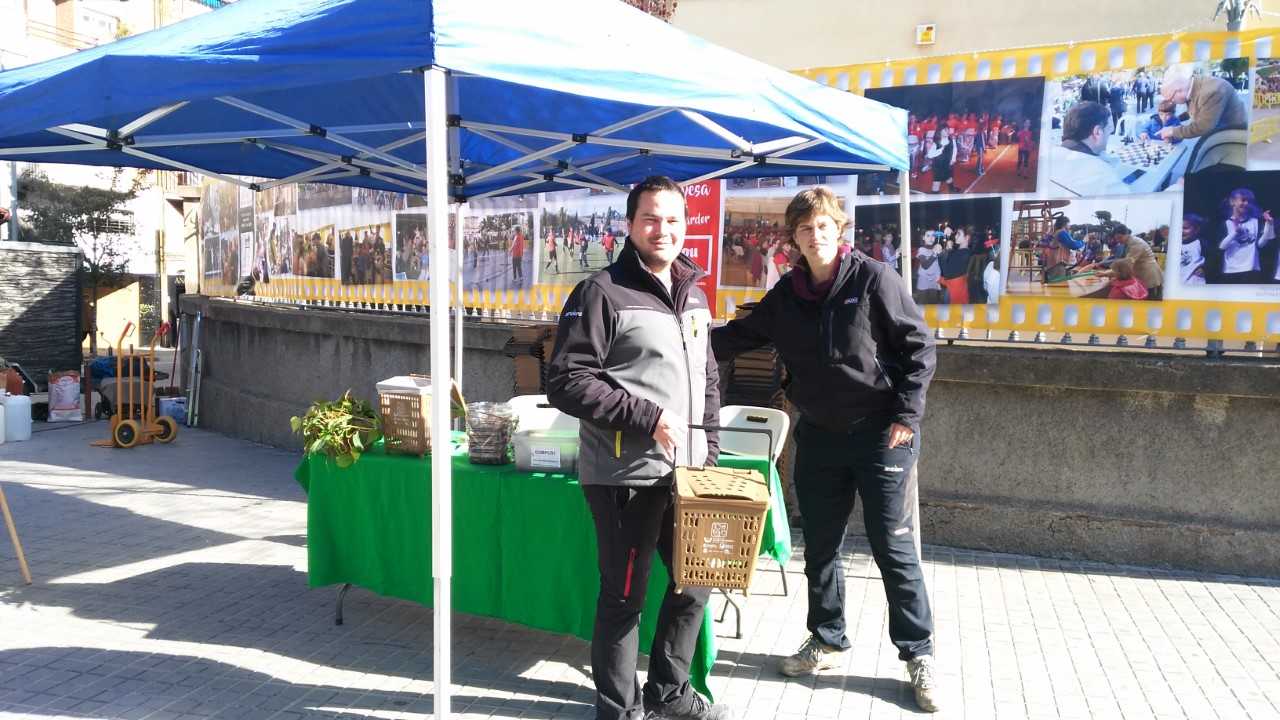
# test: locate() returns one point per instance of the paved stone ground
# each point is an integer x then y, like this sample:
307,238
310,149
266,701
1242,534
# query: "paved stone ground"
171,583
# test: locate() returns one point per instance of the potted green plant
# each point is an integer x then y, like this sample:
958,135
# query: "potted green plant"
341,429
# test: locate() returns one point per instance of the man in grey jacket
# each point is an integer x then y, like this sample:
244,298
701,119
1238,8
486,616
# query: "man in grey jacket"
632,361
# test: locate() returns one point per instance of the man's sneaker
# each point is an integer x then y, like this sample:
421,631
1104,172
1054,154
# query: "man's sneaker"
699,709
920,669
814,656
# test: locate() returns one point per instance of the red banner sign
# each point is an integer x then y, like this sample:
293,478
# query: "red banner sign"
702,233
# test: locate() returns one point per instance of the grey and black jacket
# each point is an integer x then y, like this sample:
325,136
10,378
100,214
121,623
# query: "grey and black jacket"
626,350
860,353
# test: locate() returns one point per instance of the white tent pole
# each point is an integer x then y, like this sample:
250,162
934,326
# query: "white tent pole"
904,226
456,271
436,90
14,234
456,258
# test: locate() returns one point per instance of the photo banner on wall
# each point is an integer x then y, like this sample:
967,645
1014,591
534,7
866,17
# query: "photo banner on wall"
1228,248
1264,145
498,252
966,137
582,231
1143,130
1072,248
955,247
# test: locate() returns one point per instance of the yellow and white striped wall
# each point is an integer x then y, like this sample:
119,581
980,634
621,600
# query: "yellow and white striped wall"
1189,319
1051,60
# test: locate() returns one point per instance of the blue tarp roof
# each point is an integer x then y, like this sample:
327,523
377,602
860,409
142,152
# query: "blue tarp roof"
278,88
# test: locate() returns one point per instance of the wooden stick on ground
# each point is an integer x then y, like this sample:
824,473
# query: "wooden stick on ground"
13,535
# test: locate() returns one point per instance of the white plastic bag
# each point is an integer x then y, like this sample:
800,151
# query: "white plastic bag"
64,397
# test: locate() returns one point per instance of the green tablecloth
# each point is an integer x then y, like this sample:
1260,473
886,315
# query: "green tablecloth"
524,543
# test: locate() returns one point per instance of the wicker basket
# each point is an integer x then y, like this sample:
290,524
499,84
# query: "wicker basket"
720,517
405,404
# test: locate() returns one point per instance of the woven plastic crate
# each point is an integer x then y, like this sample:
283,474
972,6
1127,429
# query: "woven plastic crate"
405,405
720,516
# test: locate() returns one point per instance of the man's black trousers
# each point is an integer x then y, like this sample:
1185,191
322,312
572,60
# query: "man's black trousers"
630,524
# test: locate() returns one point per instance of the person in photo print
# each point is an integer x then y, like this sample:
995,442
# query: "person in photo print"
1212,104
517,257
1247,229
1145,266
1163,118
1124,284
1080,163
1191,262
942,158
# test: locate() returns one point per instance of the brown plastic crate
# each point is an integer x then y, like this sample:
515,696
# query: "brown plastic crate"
406,422
720,516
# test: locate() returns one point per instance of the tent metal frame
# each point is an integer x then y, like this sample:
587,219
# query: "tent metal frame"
531,168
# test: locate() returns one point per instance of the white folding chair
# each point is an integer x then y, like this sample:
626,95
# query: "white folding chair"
757,418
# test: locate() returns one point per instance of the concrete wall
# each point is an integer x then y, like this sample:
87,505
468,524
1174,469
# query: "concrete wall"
263,365
1118,457
797,34
40,307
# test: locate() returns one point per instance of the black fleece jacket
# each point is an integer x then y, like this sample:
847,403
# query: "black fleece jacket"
862,352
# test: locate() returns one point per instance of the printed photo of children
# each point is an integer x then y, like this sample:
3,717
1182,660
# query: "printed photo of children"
412,257
365,254
1144,130
581,232
755,250
955,252
966,137
313,253
1229,232
498,251
1073,248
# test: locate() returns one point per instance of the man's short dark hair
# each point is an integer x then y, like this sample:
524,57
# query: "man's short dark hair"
1082,118
653,183
1120,230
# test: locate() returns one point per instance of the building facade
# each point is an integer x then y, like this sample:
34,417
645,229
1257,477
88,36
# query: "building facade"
153,232
798,34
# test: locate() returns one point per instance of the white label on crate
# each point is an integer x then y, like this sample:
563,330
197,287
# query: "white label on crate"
545,457
719,530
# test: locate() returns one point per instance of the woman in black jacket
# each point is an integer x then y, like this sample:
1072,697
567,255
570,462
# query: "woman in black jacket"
859,359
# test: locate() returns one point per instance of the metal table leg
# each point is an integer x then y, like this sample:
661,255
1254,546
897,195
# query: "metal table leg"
337,619
737,610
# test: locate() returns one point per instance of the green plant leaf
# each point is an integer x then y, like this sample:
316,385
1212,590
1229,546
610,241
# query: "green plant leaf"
341,429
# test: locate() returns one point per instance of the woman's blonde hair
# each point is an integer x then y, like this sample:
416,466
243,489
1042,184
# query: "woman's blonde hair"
811,203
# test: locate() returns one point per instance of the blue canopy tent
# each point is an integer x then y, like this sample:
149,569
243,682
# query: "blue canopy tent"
455,99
